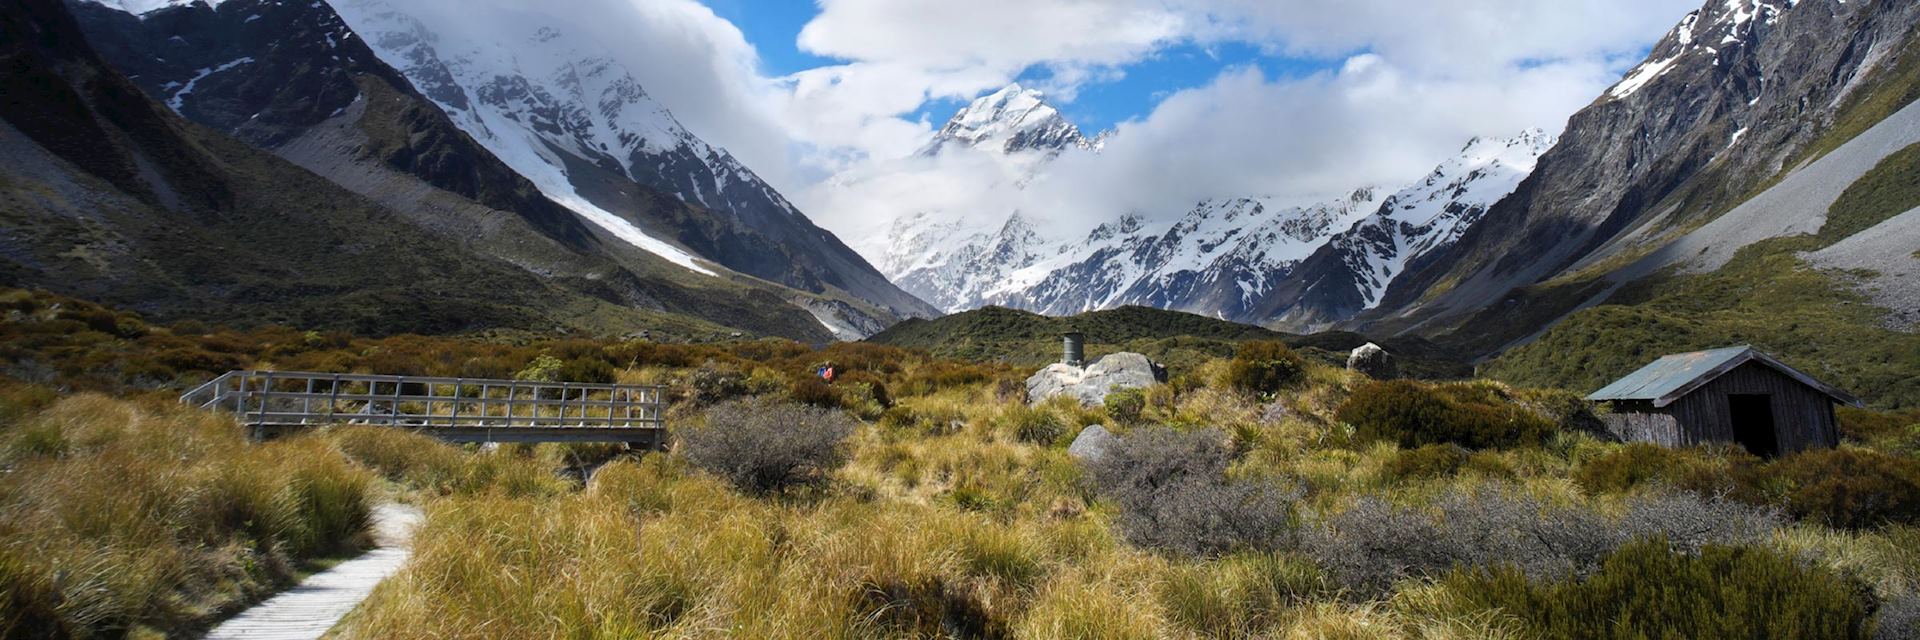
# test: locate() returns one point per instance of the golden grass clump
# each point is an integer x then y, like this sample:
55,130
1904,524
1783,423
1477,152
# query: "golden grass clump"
127,517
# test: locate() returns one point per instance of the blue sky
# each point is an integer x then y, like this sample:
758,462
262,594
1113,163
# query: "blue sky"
773,27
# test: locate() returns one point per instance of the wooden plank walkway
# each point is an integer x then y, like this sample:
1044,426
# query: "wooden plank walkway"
307,611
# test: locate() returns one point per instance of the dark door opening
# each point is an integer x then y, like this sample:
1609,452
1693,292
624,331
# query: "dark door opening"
1752,416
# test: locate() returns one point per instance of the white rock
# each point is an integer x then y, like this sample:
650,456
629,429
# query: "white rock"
1091,384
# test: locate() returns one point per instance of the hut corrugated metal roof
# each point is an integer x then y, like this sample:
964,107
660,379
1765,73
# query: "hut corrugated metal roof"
1667,379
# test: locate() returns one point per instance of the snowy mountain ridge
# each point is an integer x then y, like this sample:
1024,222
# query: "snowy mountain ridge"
1225,257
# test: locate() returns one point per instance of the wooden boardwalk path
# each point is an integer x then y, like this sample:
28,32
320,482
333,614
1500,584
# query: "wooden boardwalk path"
307,611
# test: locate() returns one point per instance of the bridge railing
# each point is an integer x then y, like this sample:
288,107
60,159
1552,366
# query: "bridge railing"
293,398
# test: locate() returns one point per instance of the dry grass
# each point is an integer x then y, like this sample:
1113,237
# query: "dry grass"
951,518
128,517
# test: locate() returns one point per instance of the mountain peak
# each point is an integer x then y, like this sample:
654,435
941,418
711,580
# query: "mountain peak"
1011,120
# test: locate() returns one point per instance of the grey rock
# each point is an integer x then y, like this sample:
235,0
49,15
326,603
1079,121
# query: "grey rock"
1373,361
1275,412
1090,385
1091,444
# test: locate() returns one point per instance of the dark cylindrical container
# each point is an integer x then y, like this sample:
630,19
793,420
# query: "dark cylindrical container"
1075,346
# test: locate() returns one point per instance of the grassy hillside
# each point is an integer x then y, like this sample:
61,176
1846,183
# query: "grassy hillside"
1767,296
998,334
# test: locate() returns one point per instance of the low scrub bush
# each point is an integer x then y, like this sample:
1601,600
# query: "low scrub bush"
713,383
1374,544
1843,488
1645,590
1264,367
1629,467
763,446
813,392
1875,427
1416,414
1125,406
1431,461
1174,495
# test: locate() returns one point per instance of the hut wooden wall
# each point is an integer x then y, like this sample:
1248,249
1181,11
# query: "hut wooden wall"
1802,416
1638,421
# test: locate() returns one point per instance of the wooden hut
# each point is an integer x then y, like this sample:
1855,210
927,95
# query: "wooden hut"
1737,394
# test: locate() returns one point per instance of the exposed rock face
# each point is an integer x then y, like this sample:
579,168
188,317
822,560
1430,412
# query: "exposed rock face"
1091,444
1732,94
1091,384
559,105
1373,361
297,80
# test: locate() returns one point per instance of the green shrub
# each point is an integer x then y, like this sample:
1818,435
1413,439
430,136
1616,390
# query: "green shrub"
545,368
1415,414
1844,488
1876,427
1264,367
1033,425
1431,461
1644,590
1626,468
590,370
1125,406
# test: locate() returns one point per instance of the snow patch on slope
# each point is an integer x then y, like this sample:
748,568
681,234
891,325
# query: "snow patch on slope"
498,83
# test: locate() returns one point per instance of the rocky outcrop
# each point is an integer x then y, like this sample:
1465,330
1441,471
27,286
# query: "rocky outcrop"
1091,384
1373,361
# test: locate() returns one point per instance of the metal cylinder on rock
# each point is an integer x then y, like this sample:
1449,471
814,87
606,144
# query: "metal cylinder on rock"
1074,345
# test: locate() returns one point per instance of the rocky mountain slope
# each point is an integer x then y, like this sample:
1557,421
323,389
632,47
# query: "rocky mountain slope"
309,89
1737,95
372,213
559,108
107,194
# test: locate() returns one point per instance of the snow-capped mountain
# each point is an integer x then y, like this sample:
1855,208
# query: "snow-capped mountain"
1218,259
1354,269
1239,258
1012,120
550,100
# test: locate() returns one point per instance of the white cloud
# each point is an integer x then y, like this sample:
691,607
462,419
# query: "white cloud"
1418,78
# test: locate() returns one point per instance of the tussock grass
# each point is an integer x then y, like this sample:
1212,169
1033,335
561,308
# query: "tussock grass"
955,511
125,517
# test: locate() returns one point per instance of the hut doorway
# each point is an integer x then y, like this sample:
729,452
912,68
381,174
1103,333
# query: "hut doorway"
1752,416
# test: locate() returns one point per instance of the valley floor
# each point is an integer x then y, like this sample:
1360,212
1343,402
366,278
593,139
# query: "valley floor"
1256,494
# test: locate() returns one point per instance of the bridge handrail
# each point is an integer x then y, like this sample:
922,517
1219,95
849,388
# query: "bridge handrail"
548,405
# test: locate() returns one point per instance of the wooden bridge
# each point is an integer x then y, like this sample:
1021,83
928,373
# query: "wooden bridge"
271,403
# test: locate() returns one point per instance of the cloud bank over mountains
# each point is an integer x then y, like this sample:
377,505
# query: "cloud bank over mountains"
1410,81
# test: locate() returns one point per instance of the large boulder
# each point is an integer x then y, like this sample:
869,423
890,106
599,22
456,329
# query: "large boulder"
1373,361
1091,444
1090,385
